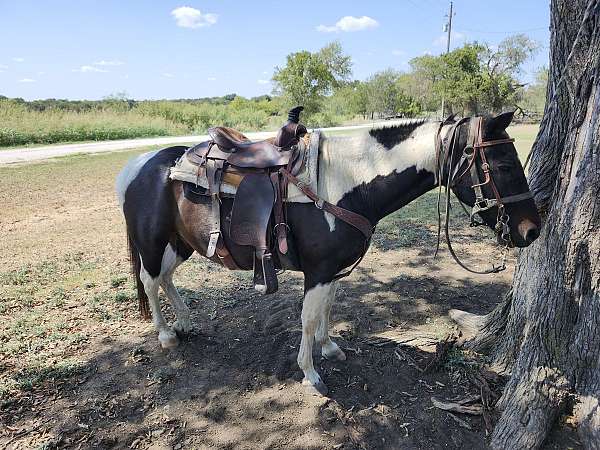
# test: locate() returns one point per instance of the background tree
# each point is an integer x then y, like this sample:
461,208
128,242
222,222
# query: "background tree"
472,78
502,70
382,93
546,334
534,95
307,77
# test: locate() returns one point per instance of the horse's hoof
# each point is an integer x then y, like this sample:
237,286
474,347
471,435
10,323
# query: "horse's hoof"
261,288
333,353
168,339
319,389
182,326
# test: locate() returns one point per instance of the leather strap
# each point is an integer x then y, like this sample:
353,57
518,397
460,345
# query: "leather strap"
214,173
280,225
224,256
359,222
517,198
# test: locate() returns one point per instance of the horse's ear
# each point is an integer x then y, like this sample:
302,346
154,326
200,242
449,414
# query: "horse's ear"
450,119
500,122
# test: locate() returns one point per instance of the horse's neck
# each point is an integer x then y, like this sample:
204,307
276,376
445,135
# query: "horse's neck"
365,176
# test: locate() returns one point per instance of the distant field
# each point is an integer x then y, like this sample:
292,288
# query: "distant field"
21,125
524,135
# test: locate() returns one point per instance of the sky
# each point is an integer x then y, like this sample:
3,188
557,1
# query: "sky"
84,49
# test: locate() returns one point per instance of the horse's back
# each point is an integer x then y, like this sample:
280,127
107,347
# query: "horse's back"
150,169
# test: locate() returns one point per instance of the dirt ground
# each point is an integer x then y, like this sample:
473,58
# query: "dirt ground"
78,369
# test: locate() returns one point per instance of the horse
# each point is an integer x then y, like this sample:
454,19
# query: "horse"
372,174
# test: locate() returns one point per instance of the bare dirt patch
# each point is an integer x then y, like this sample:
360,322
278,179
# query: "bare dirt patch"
78,369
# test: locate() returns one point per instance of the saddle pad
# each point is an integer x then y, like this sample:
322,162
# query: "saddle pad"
183,170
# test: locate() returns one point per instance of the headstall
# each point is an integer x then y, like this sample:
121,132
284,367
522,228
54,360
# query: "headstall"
475,148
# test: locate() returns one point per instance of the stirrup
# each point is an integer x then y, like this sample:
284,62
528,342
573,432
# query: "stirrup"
265,276
212,243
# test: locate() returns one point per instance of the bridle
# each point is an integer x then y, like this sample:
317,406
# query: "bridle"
474,149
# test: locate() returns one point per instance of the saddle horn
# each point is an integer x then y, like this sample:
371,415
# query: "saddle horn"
294,114
290,132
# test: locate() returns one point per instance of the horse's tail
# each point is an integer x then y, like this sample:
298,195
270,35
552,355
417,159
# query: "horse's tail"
136,266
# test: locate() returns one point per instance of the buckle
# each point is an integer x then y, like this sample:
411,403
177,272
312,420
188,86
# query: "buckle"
483,205
319,203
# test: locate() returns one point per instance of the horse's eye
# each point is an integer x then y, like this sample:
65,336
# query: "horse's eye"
504,168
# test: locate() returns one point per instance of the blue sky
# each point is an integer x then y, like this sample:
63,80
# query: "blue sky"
198,48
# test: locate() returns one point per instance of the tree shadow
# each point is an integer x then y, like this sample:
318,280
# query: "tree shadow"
234,381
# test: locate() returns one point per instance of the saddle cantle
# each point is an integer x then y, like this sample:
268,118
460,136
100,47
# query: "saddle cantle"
258,211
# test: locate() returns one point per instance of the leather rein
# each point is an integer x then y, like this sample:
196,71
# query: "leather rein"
474,149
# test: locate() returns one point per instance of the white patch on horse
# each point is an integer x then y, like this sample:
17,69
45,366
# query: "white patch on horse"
314,310
348,162
129,172
166,335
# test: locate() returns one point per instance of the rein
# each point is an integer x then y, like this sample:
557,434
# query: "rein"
475,148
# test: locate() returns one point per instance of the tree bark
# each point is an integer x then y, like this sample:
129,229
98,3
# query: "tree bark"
546,334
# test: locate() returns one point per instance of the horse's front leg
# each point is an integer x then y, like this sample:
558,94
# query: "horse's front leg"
316,299
329,349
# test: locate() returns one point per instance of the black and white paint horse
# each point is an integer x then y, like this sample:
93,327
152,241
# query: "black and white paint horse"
373,174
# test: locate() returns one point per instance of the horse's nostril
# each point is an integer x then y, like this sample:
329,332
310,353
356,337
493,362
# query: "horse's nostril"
532,234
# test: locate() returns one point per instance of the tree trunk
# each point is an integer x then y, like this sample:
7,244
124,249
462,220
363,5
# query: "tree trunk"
546,334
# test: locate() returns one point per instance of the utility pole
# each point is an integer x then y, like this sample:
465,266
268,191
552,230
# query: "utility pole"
448,28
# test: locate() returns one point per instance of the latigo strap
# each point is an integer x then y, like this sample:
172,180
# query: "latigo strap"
359,222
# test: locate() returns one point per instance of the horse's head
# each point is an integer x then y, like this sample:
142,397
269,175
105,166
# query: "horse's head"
489,176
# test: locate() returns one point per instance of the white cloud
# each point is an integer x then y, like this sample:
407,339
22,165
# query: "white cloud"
18,59
350,23
187,17
455,38
27,80
265,72
263,81
41,73
109,63
212,78
168,75
398,52
3,67
88,69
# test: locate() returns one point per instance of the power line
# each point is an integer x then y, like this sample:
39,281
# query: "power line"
504,32
448,28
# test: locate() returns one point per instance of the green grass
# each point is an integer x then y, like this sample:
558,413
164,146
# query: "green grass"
524,135
20,125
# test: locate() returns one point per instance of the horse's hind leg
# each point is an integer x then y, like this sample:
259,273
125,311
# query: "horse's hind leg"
172,258
166,336
329,349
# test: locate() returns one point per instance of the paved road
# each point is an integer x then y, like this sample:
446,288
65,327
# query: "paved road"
30,154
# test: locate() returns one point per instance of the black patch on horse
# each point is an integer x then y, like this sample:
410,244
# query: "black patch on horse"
391,136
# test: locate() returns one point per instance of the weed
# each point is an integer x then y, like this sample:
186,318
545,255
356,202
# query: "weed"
122,297
58,297
31,377
118,281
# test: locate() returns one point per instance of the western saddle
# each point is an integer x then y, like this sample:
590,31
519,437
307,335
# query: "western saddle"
260,171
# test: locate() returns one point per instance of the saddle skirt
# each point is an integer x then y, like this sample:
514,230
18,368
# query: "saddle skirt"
184,170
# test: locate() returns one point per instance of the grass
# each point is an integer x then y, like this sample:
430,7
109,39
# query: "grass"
524,135
20,125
